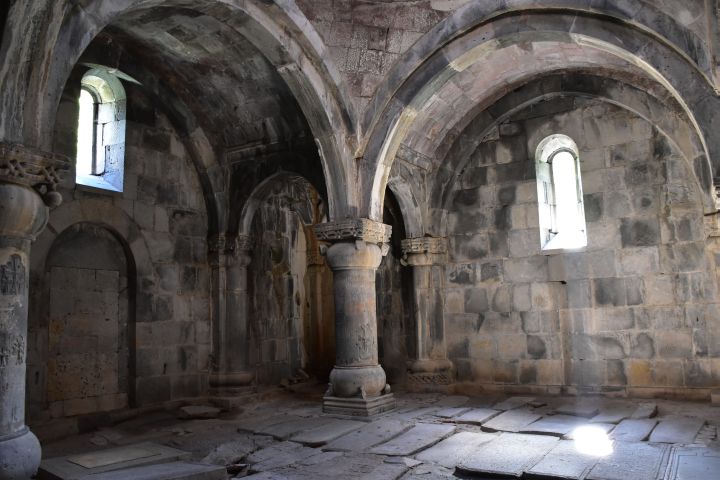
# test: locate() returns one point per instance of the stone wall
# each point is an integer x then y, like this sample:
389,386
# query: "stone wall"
633,312
160,221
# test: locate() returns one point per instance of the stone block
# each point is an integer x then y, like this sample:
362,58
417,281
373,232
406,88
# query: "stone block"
674,344
522,299
639,232
476,300
502,299
526,270
634,261
610,291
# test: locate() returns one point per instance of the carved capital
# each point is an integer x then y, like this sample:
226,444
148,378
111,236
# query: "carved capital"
33,168
354,229
433,245
243,243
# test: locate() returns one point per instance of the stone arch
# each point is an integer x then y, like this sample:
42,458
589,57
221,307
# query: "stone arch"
280,32
564,38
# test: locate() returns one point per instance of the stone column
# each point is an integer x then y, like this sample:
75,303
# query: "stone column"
357,382
430,368
28,179
230,260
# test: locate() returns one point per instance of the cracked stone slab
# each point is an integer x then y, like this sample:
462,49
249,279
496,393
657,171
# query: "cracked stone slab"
414,413
677,429
326,432
280,455
451,412
165,471
477,416
285,430
693,463
452,401
557,425
493,458
511,421
417,438
368,436
564,461
645,410
348,467
613,415
513,403
579,408
451,451
258,424
633,430
632,461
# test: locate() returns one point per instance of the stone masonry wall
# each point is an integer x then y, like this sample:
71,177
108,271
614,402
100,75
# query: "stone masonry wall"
163,210
633,312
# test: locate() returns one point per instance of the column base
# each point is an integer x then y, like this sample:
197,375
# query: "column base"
19,455
358,406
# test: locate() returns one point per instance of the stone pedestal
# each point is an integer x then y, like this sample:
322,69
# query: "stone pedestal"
430,369
28,179
230,261
358,385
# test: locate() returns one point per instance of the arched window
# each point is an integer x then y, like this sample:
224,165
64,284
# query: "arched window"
560,197
101,131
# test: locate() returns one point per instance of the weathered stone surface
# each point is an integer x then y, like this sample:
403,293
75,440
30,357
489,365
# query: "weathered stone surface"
453,450
579,408
452,401
79,466
677,429
285,430
493,458
693,463
198,411
259,424
451,412
564,461
368,436
557,425
417,438
613,414
280,455
513,402
328,430
645,410
511,421
639,461
477,416
633,430
166,471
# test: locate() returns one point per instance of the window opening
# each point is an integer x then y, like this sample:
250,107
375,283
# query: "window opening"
101,131
560,198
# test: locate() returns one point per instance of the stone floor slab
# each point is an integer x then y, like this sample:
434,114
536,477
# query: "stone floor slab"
477,416
511,421
257,424
632,461
413,413
80,466
579,408
605,427
694,464
452,401
677,429
451,451
417,438
451,412
513,403
330,430
280,455
510,454
165,471
557,425
645,410
613,415
633,430
285,430
564,461
368,436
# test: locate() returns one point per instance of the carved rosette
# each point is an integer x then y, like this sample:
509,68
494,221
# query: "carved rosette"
354,229
33,168
424,250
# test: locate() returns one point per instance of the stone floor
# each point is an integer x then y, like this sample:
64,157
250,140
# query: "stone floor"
432,436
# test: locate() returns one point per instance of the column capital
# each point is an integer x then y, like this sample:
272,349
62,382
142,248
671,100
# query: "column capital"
424,250
354,229
33,168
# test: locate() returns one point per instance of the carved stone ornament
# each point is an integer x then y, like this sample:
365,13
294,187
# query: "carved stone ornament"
354,229
243,243
216,243
433,245
31,167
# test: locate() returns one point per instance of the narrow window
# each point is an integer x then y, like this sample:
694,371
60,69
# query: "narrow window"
560,198
101,131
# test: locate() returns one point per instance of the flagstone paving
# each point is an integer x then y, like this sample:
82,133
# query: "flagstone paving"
431,436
